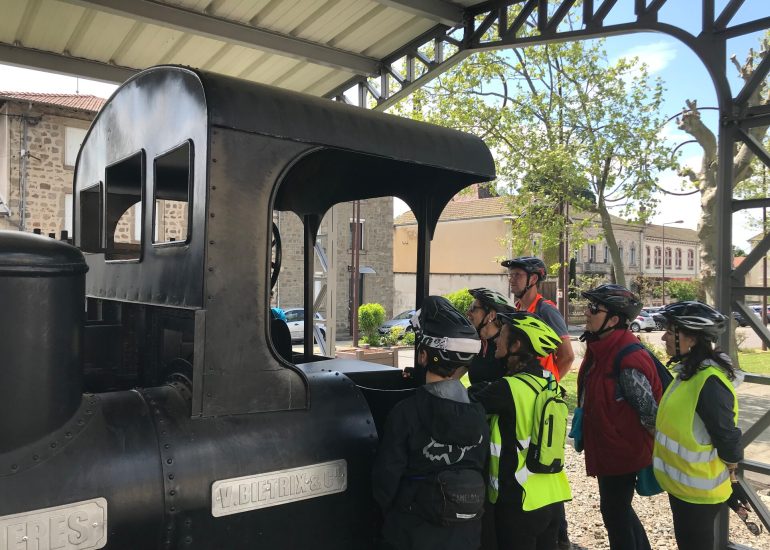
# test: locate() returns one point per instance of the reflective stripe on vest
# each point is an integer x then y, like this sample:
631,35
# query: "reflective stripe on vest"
685,462
539,490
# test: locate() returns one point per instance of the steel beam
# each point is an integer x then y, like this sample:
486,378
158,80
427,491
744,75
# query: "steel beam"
231,32
436,10
64,64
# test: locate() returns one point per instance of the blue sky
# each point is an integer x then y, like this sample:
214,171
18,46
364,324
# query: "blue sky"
683,74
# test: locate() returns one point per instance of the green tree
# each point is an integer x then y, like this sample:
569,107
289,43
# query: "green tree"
684,290
370,317
565,126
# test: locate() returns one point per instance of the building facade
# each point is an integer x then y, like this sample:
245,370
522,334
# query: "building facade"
470,240
40,136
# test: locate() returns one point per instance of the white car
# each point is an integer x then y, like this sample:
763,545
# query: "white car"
295,318
643,321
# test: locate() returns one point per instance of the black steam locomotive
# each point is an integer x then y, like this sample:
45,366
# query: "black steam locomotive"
162,414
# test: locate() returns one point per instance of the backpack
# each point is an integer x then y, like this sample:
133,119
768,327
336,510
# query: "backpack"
545,454
664,374
450,496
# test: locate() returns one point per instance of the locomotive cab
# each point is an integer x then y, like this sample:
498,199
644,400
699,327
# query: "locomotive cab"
194,429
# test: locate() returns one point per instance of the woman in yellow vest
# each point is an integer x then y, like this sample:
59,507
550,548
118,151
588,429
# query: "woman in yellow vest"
697,440
525,503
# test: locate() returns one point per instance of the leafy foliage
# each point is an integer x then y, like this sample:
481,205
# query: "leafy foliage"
684,290
370,317
460,299
393,337
565,126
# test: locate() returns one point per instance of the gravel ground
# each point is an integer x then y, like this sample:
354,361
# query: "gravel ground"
586,529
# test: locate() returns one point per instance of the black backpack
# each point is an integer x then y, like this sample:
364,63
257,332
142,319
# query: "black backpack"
663,373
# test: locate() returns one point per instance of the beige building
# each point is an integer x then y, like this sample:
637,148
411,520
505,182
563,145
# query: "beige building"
40,135
469,243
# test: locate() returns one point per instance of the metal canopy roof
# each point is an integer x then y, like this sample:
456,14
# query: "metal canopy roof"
311,46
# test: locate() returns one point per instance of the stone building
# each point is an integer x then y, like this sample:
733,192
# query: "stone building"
40,135
375,259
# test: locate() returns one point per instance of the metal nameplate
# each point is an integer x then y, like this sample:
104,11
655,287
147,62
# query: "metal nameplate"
242,494
76,526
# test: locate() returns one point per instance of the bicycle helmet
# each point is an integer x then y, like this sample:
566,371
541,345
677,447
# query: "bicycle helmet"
530,264
695,317
447,333
617,299
541,337
492,299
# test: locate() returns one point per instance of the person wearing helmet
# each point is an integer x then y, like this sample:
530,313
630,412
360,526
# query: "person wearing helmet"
524,276
525,505
697,439
619,400
428,473
482,314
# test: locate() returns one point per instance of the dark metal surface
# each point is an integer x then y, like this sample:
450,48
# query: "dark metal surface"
41,318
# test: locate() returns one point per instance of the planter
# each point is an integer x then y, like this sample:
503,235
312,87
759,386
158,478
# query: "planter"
380,356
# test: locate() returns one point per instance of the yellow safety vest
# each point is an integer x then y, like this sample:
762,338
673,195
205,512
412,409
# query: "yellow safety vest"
685,461
539,490
465,380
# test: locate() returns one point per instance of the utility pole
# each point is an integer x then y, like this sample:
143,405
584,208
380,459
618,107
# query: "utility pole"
355,246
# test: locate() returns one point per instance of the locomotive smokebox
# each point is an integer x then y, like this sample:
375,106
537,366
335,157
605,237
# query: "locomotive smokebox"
42,292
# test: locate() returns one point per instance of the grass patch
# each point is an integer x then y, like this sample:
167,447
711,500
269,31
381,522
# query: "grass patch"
755,362
569,383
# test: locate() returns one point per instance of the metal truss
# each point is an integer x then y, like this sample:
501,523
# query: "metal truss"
498,25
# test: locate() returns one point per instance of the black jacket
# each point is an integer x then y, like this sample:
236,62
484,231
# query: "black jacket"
484,367
434,430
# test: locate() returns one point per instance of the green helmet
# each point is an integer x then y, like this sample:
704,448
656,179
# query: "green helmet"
492,299
541,336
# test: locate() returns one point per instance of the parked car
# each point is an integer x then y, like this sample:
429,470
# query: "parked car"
643,321
660,322
400,320
295,318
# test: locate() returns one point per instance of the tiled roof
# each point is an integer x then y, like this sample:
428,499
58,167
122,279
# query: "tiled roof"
465,210
73,101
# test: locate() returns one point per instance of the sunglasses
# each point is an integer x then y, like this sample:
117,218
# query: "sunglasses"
593,309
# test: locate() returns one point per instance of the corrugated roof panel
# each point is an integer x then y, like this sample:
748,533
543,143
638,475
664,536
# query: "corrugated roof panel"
153,43
298,79
103,36
59,20
231,60
391,41
291,13
326,25
330,80
10,20
368,31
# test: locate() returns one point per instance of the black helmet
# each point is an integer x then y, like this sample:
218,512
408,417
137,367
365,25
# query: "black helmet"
492,299
541,337
439,326
530,264
695,317
617,299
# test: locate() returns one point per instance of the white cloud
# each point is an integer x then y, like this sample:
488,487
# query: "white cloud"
656,55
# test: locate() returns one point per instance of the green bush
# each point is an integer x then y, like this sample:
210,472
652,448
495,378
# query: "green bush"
370,317
460,299
393,337
684,290
408,339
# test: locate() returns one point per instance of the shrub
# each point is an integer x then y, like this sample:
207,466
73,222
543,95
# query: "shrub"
408,339
460,299
370,317
393,337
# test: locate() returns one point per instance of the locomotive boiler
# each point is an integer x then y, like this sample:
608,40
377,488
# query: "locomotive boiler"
144,400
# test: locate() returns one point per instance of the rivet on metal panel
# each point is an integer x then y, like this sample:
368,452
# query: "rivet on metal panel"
14,467
212,214
172,492
211,242
169,461
213,160
171,476
213,187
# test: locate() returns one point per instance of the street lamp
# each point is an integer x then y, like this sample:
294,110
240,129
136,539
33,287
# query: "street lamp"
663,238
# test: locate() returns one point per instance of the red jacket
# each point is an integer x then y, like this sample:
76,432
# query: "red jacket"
614,439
